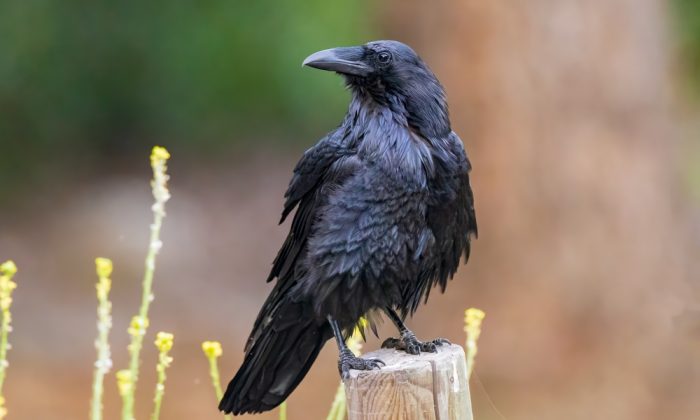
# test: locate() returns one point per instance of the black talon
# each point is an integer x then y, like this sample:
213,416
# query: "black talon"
349,361
441,341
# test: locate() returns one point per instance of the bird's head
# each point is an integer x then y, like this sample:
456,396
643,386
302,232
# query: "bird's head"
390,73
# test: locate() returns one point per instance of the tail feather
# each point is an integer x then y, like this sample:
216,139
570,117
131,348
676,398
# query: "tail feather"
276,362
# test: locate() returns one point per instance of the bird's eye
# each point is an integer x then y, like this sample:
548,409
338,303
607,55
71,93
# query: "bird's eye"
384,57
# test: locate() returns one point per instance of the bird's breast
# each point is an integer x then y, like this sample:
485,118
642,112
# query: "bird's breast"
397,151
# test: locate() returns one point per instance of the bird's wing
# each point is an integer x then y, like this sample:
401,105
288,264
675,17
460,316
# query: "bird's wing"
311,169
364,242
452,219
319,170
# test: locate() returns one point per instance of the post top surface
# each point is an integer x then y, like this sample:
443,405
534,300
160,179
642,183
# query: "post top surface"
398,360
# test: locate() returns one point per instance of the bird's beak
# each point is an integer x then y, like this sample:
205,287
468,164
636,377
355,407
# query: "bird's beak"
345,60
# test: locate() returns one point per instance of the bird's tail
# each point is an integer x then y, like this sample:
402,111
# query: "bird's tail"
280,355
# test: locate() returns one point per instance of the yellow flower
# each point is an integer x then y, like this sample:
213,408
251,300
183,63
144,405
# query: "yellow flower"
159,154
212,349
472,326
473,317
164,341
104,284
104,267
138,325
8,268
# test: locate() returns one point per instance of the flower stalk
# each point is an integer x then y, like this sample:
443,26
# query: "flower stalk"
7,272
104,325
139,323
212,350
472,326
164,343
283,411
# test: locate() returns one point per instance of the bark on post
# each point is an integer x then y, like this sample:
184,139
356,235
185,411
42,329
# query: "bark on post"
430,386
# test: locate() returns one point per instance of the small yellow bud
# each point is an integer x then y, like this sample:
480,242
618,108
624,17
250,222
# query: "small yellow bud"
472,326
212,349
473,317
159,154
138,326
164,341
8,268
104,267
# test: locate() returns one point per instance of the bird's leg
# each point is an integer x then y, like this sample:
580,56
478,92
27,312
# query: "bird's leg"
347,360
408,341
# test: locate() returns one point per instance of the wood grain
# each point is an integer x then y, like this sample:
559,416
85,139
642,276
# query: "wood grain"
430,386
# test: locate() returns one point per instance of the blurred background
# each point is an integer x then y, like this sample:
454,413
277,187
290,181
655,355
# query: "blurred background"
581,118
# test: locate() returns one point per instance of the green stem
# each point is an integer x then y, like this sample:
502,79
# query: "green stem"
139,324
215,379
139,330
4,331
104,324
283,411
338,408
160,386
7,271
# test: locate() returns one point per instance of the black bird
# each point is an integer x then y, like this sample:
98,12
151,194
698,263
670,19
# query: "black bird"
384,212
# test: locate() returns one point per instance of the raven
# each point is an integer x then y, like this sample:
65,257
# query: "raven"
384,212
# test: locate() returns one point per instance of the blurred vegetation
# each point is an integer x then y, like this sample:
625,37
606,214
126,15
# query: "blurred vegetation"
687,15
81,80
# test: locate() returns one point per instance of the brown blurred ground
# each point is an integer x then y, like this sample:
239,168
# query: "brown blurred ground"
552,347
586,263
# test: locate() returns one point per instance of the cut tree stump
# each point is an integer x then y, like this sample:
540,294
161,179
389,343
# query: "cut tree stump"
428,386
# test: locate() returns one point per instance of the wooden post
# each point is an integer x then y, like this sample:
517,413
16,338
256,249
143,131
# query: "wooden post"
431,386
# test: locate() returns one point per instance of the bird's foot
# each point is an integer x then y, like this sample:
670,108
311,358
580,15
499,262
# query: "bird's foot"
411,345
349,361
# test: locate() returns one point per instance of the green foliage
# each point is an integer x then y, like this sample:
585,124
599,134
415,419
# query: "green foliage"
83,79
687,18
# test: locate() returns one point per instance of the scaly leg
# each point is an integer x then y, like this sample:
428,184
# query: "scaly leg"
408,341
347,360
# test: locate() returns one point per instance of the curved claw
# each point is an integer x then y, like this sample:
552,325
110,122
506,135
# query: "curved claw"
429,347
349,361
442,341
412,348
375,363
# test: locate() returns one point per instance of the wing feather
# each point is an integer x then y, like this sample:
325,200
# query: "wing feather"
318,171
